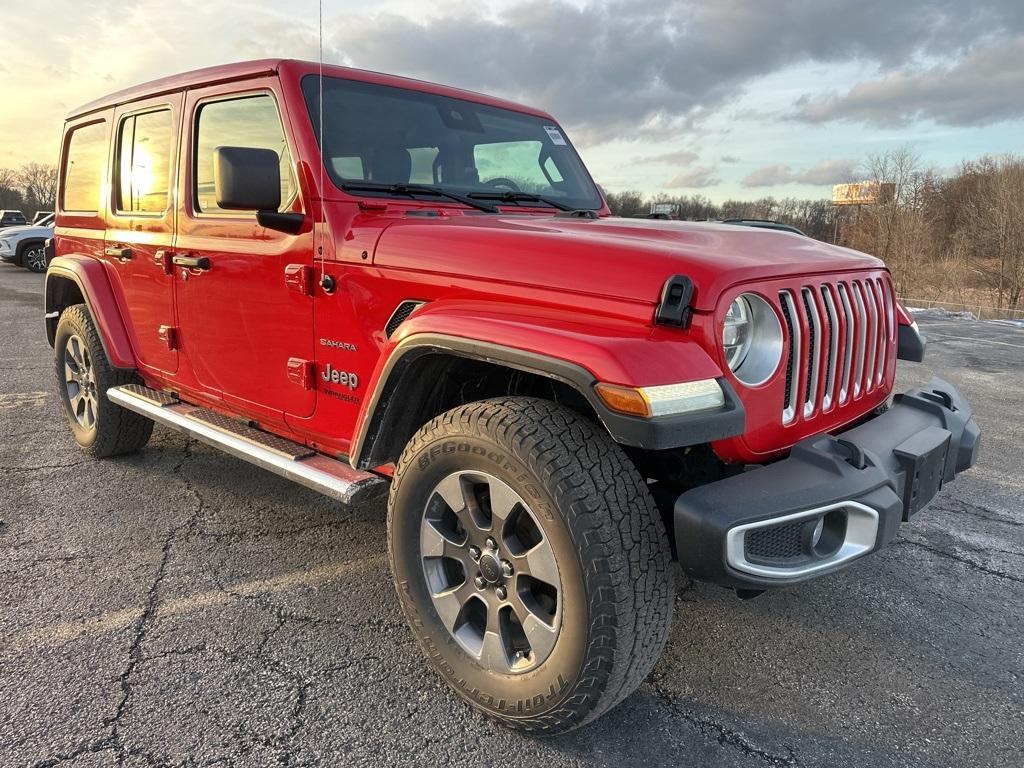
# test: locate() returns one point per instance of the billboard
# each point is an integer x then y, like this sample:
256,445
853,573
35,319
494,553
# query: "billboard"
664,209
863,193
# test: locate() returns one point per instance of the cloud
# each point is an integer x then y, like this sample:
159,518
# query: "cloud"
730,159
981,88
681,157
768,176
694,178
622,68
824,173
827,172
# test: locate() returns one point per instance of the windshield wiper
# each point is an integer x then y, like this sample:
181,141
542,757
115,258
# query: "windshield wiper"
417,189
521,197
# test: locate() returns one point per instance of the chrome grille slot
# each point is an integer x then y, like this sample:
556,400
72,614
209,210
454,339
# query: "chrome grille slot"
846,382
871,331
833,347
847,329
878,288
790,406
860,326
814,345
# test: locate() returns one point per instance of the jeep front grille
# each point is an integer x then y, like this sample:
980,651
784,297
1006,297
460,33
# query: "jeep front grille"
841,335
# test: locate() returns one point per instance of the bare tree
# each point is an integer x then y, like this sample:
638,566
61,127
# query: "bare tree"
10,192
896,228
626,203
994,227
39,183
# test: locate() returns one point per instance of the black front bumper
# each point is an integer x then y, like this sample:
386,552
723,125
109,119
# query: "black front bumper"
761,529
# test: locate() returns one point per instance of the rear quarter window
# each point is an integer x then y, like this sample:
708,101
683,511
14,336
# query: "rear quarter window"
83,168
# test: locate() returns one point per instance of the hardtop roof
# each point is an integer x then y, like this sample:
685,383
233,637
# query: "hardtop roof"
249,69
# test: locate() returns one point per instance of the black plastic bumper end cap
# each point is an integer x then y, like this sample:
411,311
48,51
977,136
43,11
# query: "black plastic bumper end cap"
910,344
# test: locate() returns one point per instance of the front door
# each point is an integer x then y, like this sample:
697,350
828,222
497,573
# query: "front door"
140,226
246,331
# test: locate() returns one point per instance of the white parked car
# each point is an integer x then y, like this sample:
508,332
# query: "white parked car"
25,245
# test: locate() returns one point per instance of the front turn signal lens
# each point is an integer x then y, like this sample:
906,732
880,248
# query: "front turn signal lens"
625,400
665,400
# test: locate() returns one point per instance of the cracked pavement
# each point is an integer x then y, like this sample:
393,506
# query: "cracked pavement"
179,607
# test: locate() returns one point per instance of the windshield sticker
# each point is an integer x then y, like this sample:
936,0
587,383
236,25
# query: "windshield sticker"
555,135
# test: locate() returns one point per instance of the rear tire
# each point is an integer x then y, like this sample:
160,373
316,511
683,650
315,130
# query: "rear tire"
530,477
100,427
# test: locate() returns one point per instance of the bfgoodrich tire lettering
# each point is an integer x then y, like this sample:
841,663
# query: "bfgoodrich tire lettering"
612,554
84,375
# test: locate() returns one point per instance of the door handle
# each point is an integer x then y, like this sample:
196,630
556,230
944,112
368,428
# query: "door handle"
118,252
192,262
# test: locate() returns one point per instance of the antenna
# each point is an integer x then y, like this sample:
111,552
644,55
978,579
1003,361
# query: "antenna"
327,283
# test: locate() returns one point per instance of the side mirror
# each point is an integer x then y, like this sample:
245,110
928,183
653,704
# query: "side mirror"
247,179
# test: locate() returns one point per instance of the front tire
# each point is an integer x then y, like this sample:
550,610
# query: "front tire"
530,561
101,428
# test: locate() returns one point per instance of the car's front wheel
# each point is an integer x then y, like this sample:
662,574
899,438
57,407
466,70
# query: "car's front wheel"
33,257
530,561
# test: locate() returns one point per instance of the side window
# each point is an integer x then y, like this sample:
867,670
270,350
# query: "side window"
83,168
251,121
144,163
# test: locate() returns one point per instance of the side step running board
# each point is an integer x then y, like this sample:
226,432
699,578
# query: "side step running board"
283,457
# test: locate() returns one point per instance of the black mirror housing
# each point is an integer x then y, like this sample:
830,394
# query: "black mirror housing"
247,178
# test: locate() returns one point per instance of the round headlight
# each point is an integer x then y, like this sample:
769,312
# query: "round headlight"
752,339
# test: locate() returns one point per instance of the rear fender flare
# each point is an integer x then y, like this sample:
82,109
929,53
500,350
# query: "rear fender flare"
88,275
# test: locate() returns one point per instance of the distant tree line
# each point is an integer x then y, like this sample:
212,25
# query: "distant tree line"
30,188
955,237
815,217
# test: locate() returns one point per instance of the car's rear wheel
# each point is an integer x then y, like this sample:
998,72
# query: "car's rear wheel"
530,561
84,375
33,257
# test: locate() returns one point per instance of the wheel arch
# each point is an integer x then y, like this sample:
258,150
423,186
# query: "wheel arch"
405,396
79,279
416,374
24,245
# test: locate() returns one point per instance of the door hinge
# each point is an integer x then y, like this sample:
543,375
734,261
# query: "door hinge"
299,278
300,372
168,335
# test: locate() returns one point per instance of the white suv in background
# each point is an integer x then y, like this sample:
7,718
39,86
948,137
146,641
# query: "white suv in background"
25,245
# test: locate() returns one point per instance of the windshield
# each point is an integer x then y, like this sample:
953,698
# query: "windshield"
385,135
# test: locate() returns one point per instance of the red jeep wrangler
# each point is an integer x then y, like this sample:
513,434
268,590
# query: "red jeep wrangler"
358,280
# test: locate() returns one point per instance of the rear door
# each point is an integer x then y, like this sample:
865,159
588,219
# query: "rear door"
140,225
246,331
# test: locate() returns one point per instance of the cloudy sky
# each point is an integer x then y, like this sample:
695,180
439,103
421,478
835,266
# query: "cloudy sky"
726,98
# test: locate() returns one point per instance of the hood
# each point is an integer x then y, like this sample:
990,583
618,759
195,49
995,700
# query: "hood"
626,259
26,229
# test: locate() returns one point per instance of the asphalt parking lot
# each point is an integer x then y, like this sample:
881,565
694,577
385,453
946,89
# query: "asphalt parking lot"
179,607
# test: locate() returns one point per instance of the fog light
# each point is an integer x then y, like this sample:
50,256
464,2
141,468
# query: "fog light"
823,536
816,535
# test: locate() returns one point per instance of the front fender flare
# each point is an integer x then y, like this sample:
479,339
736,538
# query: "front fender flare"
89,276
561,347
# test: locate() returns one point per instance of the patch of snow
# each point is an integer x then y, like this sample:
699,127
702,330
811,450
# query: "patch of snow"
945,314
